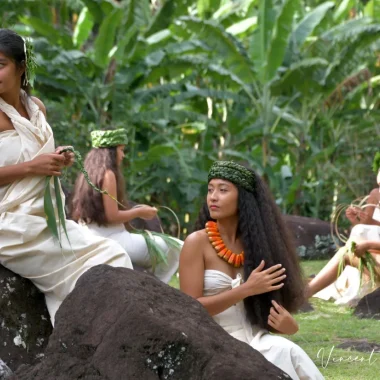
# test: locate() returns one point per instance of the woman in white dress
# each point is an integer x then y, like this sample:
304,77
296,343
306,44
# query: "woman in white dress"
365,232
104,217
241,266
27,157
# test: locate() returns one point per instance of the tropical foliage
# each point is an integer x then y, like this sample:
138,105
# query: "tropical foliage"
289,86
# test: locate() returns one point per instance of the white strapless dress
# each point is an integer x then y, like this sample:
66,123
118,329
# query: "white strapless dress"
283,353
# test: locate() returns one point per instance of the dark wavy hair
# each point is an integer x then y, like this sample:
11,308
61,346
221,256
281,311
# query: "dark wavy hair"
264,236
87,204
12,45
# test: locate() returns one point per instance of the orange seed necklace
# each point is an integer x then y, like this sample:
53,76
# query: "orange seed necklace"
235,259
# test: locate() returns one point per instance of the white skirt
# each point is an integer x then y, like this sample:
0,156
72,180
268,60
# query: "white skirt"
137,249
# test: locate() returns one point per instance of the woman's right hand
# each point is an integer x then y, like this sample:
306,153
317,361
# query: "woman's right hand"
352,214
46,164
263,281
147,212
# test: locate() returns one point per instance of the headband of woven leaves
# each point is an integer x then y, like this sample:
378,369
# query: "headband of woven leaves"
376,163
233,172
30,63
109,139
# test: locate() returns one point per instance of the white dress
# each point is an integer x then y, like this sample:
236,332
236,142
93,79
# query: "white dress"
281,352
137,249
346,290
27,246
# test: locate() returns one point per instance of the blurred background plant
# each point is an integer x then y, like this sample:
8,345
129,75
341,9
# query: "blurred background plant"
290,87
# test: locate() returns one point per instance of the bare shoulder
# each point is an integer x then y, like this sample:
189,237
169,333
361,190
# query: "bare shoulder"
195,243
375,193
109,175
40,105
197,237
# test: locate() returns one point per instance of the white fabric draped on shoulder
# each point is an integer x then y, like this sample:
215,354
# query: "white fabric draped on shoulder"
281,352
27,246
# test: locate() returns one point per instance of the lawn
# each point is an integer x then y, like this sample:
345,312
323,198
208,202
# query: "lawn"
329,325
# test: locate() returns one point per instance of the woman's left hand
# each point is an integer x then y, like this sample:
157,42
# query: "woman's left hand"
281,320
69,156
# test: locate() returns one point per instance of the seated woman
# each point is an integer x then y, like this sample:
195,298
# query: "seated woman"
28,156
102,215
241,266
347,289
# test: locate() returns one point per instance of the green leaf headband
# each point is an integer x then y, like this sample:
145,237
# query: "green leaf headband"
376,163
233,172
109,139
30,63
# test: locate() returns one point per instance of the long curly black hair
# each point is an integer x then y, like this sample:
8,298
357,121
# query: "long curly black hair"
264,236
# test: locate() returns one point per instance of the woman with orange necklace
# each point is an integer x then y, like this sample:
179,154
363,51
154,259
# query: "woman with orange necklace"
241,266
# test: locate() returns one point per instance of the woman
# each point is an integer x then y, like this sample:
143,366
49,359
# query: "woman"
102,215
241,223
366,230
28,156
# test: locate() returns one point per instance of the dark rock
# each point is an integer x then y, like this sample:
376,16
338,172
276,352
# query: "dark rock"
24,321
121,324
5,371
312,237
369,306
361,345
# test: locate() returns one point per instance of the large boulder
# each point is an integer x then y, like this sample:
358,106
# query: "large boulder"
24,321
121,324
369,306
312,237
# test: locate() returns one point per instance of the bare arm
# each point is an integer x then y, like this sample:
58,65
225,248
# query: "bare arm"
12,173
191,275
112,212
44,165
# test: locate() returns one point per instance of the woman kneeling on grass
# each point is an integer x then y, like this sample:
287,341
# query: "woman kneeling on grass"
241,266
364,237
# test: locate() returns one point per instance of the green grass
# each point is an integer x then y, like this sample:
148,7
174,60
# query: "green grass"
330,325
325,328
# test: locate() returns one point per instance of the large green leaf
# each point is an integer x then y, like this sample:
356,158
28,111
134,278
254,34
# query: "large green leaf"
231,7
351,56
95,8
83,27
307,25
105,40
301,76
343,9
207,7
54,35
281,32
261,39
372,9
226,48
137,13
243,26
